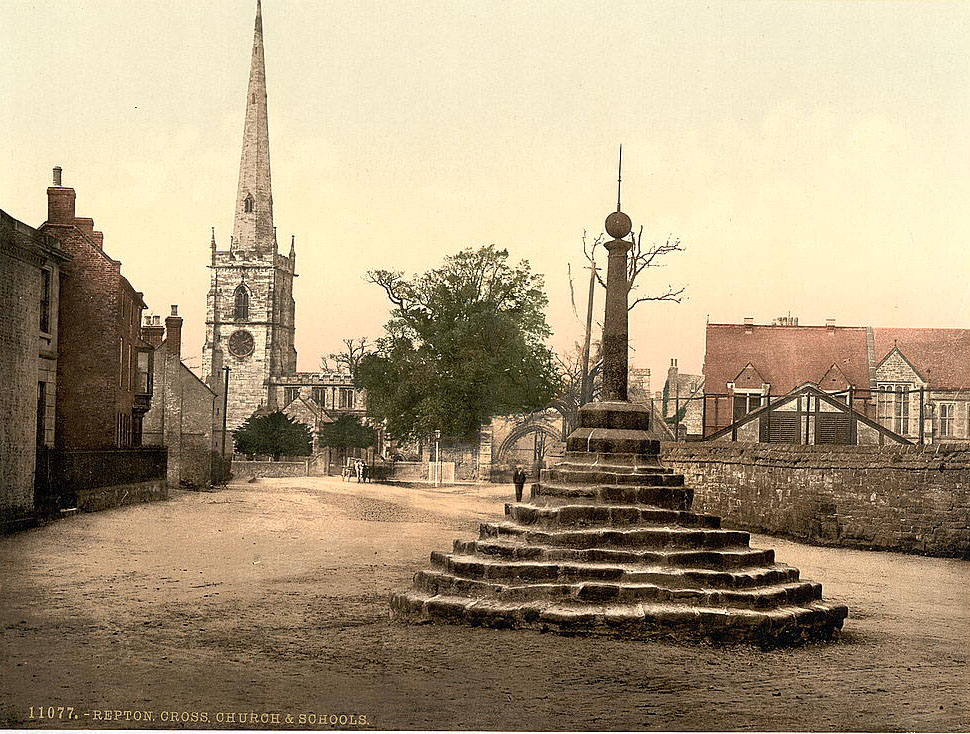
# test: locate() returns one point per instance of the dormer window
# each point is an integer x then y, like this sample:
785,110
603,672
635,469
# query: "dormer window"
249,204
241,304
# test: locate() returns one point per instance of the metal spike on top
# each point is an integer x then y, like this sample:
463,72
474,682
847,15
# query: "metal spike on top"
619,177
618,224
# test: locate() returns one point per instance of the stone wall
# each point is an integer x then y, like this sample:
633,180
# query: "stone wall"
19,314
28,361
116,495
247,469
904,498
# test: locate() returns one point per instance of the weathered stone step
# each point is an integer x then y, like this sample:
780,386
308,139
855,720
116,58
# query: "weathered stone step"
637,536
664,497
636,562
615,462
781,625
580,515
534,570
585,474
765,597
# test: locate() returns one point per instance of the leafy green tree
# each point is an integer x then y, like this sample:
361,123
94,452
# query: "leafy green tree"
465,343
347,432
274,434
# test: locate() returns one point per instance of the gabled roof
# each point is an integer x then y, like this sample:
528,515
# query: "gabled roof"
785,356
896,352
834,379
794,395
940,356
748,377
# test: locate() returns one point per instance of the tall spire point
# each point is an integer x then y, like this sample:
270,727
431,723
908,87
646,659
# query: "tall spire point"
253,226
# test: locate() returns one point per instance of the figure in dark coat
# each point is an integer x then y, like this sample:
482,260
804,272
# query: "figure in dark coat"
518,479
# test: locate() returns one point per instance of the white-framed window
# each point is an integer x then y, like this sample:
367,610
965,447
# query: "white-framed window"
893,400
45,301
744,403
947,417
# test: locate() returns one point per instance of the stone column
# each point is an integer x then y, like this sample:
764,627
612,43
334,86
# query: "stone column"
615,324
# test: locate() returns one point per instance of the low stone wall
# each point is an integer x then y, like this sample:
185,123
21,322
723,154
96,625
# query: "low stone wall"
103,498
249,469
913,499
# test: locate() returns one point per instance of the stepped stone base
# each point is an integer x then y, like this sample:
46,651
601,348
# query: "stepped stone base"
608,545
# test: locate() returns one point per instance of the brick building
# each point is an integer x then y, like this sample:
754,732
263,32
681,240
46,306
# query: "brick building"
913,382
250,310
103,368
30,263
183,413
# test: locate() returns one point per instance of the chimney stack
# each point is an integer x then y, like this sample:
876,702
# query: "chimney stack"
173,333
152,332
60,201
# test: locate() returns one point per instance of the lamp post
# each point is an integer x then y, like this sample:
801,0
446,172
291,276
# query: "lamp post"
437,459
225,407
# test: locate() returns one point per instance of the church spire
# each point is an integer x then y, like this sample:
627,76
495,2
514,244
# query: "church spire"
253,220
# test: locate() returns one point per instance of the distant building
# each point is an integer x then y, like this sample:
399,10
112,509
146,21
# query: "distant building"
183,412
103,386
30,264
681,403
913,382
250,311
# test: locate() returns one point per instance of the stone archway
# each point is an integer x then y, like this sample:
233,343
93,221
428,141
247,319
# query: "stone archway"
546,446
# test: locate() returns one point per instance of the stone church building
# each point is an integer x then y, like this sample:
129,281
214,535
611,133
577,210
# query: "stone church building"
250,310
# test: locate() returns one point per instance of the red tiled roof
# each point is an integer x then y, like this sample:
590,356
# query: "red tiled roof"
785,356
941,356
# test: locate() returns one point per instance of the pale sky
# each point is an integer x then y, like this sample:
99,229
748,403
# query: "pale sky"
814,157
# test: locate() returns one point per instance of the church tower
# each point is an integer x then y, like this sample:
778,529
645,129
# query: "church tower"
250,307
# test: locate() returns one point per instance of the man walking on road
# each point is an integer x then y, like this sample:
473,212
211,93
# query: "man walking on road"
518,479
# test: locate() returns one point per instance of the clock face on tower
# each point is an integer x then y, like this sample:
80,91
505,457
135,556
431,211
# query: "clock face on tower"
241,343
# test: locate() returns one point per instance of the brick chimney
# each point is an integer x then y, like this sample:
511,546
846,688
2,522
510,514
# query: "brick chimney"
60,201
173,333
153,332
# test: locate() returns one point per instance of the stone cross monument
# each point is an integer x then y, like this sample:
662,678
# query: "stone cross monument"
608,544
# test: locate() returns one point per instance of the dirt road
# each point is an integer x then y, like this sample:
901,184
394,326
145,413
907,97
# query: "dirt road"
270,598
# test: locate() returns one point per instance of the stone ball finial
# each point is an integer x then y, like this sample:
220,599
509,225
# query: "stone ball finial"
618,225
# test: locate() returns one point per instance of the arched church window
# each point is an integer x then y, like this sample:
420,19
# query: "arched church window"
241,304
248,204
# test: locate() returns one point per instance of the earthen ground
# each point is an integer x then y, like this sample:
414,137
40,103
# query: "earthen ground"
272,597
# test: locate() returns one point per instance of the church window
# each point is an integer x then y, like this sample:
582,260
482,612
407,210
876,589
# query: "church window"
248,204
241,304
290,394
346,397
320,395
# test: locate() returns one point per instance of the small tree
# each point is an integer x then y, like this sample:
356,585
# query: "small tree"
275,434
347,432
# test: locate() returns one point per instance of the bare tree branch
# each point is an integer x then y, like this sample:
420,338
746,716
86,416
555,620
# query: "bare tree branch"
671,295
